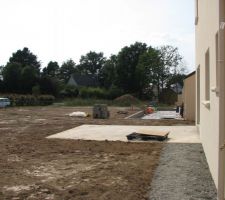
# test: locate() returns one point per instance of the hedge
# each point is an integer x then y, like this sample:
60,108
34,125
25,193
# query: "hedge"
99,93
29,100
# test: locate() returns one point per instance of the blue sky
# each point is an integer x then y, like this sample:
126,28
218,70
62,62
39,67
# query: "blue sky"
61,29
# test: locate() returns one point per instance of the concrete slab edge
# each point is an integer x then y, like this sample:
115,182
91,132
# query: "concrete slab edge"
135,115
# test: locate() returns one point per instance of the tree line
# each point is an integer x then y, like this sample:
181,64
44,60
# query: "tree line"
137,69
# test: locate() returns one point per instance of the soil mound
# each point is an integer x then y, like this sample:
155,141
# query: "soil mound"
126,99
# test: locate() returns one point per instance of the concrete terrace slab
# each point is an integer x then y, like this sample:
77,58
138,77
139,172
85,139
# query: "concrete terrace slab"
163,115
178,134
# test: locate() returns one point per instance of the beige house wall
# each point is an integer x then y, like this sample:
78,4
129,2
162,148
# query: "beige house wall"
189,98
209,111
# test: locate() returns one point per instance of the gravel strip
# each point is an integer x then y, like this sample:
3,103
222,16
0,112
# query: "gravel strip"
182,174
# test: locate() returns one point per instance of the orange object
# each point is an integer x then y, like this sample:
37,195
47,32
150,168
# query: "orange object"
149,110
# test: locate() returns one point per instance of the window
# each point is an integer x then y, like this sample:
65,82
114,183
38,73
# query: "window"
196,12
207,76
217,64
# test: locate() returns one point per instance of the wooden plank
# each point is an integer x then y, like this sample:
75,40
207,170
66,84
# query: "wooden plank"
153,132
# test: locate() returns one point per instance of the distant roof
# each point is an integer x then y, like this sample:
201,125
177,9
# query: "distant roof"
86,80
176,87
192,73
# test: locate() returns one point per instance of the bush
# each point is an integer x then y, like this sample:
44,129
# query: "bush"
30,100
99,93
45,100
89,92
114,92
69,91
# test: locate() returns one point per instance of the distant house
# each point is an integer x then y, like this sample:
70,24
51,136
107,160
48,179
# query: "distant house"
188,96
88,80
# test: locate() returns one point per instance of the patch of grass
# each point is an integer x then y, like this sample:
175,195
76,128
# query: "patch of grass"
85,102
91,102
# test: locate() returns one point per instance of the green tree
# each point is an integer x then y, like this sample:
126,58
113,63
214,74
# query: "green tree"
107,73
171,62
147,70
49,86
1,69
176,78
68,67
28,79
159,68
52,69
2,86
1,79
12,77
21,72
128,58
26,58
91,63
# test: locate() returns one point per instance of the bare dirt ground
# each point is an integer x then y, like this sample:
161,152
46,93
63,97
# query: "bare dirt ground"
33,167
